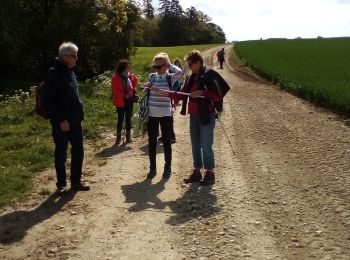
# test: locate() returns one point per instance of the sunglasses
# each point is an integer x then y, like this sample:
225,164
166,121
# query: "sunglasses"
158,67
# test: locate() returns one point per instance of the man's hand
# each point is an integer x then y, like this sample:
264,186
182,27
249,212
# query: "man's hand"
64,126
197,93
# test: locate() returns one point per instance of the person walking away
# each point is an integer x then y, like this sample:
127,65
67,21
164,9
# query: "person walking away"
124,84
160,112
204,91
65,109
221,57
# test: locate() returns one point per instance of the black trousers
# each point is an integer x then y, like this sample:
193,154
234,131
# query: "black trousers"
75,137
165,128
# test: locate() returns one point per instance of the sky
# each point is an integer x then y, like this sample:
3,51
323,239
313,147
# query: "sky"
255,19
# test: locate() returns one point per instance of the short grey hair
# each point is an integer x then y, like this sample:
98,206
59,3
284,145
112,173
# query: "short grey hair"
66,48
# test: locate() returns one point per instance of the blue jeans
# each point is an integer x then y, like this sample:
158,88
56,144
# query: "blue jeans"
126,112
75,137
202,139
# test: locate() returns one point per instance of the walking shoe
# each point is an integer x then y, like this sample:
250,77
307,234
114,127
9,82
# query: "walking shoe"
167,172
80,187
61,190
209,179
196,176
152,173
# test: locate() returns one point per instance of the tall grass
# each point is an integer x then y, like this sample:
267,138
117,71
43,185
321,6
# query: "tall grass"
26,145
315,69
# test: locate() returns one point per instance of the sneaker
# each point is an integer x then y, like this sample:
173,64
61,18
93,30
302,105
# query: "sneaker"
61,190
80,187
196,176
209,179
152,173
167,172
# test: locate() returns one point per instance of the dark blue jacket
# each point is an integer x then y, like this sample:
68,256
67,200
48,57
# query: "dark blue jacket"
61,96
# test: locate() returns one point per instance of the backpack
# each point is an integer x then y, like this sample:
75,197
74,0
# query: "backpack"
39,105
144,107
222,88
220,55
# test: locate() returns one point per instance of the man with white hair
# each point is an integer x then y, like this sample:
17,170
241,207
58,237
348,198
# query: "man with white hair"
62,101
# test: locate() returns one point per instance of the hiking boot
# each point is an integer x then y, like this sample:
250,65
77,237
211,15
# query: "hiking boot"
80,187
128,137
167,172
209,179
61,190
152,173
196,176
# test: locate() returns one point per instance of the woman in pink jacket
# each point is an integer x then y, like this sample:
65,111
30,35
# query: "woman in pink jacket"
124,91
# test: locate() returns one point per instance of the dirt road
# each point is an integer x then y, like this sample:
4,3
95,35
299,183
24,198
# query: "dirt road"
283,195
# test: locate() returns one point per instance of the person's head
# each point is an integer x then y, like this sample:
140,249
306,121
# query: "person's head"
194,61
223,49
161,62
68,54
123,66
177,62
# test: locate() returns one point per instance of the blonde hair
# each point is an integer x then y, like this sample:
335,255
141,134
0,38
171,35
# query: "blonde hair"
162,56
177,60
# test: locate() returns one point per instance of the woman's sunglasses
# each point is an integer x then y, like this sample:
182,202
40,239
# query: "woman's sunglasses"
158,67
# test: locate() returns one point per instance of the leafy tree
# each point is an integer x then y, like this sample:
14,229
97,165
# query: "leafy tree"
148,9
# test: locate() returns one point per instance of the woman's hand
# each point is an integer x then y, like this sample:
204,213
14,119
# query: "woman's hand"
197,93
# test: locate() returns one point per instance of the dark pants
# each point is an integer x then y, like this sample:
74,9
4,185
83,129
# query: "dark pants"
75,137
221,63
171,130
126,112
165,128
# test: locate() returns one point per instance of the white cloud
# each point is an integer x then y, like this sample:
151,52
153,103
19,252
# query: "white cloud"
252,19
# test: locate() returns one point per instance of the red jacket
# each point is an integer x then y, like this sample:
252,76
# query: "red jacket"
118,91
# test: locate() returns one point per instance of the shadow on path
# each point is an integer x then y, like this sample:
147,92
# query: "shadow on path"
197,201
14,226
144,194
113,150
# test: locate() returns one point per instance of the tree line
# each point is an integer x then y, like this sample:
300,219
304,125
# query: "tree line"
104,30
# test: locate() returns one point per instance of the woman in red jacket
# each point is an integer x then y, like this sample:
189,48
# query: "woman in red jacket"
124,89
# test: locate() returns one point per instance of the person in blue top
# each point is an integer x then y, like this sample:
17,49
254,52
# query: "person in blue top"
65,109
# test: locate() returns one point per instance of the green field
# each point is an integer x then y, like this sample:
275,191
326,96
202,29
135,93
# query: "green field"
25,139
315,69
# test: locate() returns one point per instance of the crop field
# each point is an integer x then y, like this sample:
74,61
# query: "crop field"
315,69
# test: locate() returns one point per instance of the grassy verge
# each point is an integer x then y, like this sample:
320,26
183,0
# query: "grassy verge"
25,139
315,69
